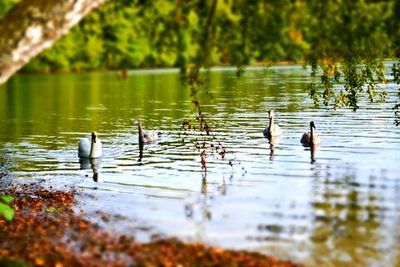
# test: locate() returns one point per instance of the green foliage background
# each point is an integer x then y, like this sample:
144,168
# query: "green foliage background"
166,33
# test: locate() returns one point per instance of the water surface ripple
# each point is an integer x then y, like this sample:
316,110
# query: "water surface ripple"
341,209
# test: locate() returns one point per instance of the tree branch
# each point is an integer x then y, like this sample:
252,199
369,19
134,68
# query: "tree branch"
34,25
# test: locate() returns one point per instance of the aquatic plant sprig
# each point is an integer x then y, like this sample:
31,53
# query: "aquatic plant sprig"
208,143
396,77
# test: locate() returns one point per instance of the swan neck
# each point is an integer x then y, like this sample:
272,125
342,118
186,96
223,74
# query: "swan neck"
92,144
141,141
141,137
271,123
312,135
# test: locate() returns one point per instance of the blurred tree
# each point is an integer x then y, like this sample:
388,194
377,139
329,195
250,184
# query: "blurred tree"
32,26
6,5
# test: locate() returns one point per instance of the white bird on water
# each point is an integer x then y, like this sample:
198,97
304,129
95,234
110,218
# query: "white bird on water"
311,138
272,129
90,148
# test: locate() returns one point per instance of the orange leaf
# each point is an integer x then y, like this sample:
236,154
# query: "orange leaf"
39,261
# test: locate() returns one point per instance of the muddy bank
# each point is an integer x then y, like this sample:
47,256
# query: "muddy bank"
46,231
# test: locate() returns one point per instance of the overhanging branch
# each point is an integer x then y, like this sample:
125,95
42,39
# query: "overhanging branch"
34,25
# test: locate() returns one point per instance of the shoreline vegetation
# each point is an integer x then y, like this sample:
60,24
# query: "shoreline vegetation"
46,231
120,70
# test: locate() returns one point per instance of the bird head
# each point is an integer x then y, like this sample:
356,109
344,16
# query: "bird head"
271,113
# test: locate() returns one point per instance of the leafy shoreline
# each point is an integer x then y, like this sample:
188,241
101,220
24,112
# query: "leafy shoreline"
47,232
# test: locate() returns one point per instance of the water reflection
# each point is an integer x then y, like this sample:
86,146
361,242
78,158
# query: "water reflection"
313,148
273,142
204,206
346,223
93,164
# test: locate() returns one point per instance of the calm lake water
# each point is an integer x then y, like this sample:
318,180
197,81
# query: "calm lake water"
343,209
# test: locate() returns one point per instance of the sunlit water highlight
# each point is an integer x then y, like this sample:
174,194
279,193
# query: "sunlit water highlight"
343,208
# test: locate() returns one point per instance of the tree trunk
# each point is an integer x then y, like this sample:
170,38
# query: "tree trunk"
34,25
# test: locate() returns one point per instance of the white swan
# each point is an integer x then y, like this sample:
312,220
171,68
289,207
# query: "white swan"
146,136
272,129
90,148
311,138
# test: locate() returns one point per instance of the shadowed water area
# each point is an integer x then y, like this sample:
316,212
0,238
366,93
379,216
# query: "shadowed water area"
342,207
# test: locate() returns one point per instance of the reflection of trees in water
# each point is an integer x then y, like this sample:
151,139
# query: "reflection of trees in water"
346,225
200,210
395,231
203,205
